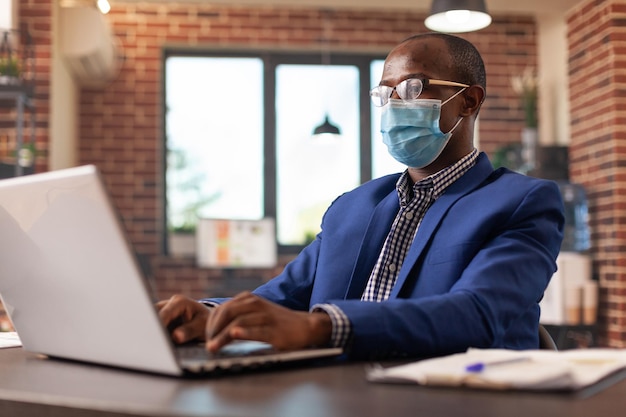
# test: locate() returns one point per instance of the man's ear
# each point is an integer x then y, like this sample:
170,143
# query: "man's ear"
474,97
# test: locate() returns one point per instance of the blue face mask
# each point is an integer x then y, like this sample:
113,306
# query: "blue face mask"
411,131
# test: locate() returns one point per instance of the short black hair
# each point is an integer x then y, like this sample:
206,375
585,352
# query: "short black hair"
469,67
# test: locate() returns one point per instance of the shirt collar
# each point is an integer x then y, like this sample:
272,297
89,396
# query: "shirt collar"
438,181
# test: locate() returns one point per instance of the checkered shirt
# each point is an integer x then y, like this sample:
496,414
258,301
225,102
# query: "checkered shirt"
414,202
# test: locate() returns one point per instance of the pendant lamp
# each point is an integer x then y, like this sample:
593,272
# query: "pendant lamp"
326,128
103,6
456,16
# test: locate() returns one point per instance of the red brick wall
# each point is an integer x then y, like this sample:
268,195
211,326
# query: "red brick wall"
597,51
120,125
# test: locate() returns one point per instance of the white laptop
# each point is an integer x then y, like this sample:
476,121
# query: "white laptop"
72,288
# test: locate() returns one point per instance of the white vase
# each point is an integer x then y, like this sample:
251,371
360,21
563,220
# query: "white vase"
530,140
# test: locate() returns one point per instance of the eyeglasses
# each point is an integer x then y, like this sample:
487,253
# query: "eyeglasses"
409,89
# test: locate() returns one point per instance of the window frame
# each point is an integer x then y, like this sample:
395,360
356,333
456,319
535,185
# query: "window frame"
271,59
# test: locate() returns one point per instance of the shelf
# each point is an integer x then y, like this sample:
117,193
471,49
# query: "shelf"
11,92
17,81
18,96
8,170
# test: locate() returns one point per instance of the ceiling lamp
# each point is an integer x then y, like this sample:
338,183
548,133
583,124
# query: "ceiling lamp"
103,6
456,16
326,128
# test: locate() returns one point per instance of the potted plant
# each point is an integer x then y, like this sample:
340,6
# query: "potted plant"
9,70
525,86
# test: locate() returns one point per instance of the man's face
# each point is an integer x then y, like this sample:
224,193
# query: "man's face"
423,58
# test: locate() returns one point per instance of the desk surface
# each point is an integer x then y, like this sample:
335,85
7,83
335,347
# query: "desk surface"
34,386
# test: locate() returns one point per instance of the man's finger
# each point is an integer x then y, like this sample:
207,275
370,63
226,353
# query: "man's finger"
171,310
240,305
189,331
252,325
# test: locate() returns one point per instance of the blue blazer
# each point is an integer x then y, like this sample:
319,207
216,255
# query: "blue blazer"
473,277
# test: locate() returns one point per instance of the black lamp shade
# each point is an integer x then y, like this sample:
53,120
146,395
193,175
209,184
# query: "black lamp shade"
440,6
455,16
326,127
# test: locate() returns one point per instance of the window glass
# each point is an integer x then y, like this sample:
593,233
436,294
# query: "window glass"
214,139
313,171
239,139
382,162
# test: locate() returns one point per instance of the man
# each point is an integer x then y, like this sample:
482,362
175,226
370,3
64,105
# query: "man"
448,255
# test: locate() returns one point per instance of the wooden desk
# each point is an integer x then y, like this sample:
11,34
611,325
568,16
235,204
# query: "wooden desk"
32,386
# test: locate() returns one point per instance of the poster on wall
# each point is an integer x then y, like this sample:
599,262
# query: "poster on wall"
228,243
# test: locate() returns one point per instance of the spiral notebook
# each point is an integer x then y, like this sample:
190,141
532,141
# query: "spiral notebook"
501,369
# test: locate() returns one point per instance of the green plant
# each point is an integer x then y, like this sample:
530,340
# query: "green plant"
185,189
9,66
509,156
525,85
26,154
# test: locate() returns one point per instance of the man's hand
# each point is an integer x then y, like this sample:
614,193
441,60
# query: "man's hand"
249,317
185,318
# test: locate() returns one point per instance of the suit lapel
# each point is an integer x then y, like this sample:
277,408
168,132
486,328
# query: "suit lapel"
379,225
472,179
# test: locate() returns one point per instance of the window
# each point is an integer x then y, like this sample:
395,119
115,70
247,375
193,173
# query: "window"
311,171
238,137
382,162
214,136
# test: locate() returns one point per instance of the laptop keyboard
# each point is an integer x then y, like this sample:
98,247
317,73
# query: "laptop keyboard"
232,350
242,354
236,355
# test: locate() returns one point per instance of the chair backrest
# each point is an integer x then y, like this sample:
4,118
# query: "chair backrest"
545,340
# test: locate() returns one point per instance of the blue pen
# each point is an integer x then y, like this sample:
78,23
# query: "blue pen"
480,366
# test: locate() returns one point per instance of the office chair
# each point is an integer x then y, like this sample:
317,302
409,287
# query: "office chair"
545,340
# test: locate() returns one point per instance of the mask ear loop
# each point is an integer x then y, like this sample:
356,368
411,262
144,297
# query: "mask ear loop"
454,95
455,125
460,119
